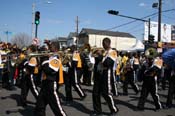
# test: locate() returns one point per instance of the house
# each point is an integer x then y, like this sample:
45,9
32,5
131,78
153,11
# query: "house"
71,39
62,41
119,40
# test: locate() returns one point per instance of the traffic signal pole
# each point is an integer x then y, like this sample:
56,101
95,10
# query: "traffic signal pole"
36,31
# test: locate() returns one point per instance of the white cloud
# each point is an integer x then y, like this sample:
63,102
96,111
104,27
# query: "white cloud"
142,4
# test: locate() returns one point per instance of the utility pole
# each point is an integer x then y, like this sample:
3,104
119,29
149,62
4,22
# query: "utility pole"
159,20
77,34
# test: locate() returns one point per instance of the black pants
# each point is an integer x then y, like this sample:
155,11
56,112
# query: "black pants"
149,86
171,91
72,78
49,95
76,75
129,79
5,80
102,86
86,76
68,86
28,83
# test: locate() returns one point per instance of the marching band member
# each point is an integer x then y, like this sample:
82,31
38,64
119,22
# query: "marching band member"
102,85
29,68
52,75
150,69
75,72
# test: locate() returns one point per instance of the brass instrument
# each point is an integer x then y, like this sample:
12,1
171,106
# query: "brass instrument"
96,51
151,53
66,58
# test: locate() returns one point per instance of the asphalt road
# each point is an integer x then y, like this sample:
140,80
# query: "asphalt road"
10,104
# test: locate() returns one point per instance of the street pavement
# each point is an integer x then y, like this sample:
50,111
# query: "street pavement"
10,104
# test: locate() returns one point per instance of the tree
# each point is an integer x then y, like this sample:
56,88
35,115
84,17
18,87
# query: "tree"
21,40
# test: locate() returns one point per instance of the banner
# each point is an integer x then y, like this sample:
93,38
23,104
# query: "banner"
173,32
165,31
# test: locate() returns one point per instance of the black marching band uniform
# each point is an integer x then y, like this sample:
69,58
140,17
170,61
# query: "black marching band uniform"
150,70
103,76
29,68
76,71
51,76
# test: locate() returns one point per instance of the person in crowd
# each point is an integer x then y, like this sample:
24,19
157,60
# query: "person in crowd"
28,77
86,64
166,75
136,65
52,74
168,58
104,66
73,75
150,69
129,76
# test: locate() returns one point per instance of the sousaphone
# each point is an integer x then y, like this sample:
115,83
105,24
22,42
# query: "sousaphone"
151,53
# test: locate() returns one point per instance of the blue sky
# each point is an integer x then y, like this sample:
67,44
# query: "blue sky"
58,19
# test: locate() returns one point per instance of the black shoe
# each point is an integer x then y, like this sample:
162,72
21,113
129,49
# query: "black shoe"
83,97
140,108
158,109
125,94
113,114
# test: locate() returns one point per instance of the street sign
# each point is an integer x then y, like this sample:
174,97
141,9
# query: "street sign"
35,41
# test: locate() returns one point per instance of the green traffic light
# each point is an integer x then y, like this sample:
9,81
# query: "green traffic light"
37,22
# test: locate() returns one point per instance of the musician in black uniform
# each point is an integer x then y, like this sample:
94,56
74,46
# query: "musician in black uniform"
52,74
102,79
150,71
28,76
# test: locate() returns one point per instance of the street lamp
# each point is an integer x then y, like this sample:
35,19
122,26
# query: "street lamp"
113,12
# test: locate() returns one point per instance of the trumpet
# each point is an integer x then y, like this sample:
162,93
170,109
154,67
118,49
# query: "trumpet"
40,54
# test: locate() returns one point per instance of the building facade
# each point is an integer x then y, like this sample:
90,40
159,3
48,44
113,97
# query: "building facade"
119,40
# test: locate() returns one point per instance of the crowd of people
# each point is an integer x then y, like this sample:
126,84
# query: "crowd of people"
103,68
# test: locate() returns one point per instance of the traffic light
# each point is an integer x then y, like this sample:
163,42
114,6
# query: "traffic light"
151,39
37,17
113,12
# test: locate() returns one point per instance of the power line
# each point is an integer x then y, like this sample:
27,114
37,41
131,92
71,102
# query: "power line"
124,24
137,25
